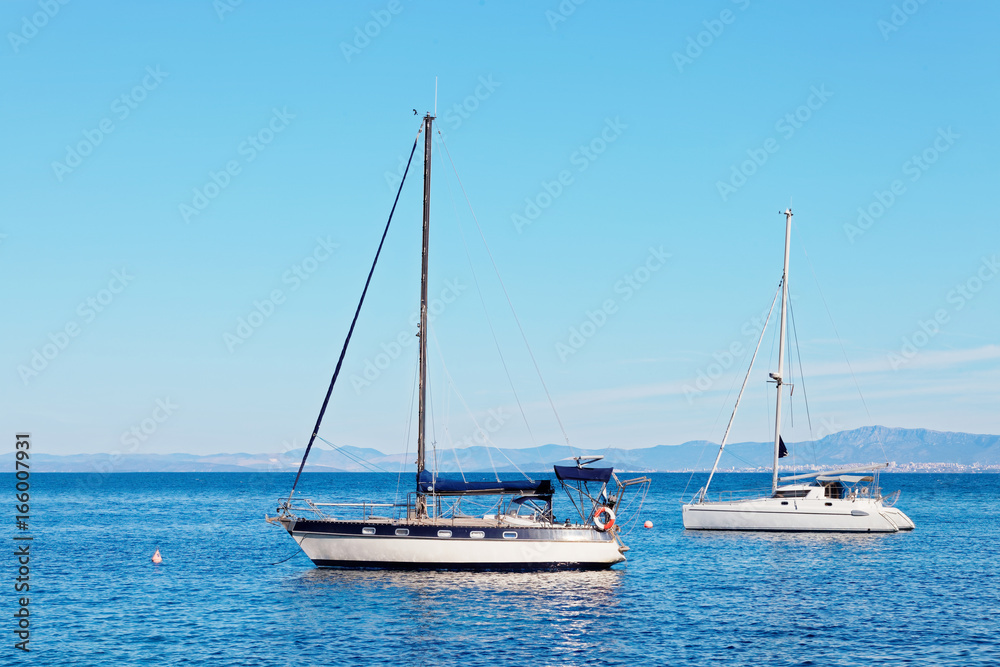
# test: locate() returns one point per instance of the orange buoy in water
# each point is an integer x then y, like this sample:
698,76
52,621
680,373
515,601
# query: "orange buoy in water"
157,558
648,524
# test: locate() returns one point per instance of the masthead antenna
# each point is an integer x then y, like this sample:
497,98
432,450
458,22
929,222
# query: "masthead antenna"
435,97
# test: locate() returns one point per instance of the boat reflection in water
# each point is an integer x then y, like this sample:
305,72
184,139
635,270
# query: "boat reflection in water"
438,613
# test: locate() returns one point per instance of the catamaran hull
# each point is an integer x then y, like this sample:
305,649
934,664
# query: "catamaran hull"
328,544
796,516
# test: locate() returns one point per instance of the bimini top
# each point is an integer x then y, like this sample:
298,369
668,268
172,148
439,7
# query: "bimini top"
440,486
834,473
850,479
575,474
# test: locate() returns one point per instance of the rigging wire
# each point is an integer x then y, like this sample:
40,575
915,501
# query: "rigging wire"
732,417
480,429
722,405
768,408
353,457
489,320
878,435
496,270
430,409
802,379
447,433
354,322
406,441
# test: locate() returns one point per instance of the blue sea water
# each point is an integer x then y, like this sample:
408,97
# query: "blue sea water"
929,597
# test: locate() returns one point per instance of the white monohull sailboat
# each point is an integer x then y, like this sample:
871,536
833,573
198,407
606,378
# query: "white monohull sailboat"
435,528
843,500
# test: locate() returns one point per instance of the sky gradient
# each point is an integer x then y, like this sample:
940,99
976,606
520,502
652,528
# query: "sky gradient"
169,170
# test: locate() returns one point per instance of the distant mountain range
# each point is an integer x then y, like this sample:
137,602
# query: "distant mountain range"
908,448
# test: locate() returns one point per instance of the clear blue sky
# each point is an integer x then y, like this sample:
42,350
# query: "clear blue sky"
116,113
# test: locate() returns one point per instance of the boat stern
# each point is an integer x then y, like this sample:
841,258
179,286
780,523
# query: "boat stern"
898,518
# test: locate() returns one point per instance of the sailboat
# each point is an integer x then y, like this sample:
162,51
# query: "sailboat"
434,528
841,500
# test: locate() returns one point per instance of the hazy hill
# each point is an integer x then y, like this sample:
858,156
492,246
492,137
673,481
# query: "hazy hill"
856,446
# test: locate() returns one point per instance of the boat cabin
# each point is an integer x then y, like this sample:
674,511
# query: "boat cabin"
827,486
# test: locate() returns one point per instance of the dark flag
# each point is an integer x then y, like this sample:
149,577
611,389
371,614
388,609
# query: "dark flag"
782,450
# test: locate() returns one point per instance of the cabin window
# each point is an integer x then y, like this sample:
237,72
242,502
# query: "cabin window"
791,493
367,531
828,504
784,502
834,490
444,533
402,532
509,535
477,534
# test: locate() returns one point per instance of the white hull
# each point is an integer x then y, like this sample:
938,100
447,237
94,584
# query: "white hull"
861,515
390,551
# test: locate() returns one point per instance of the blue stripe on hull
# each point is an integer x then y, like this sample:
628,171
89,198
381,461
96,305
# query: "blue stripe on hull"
524,533
476,567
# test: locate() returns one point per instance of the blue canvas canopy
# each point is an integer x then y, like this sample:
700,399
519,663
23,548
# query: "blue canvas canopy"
440,486
575,474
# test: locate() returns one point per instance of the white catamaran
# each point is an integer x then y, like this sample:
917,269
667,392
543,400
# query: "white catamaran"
434,528
843,500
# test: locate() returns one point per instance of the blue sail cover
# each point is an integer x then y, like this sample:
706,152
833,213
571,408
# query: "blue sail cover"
440,486
574,474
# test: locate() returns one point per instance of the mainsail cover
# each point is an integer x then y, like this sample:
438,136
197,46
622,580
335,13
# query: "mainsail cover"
575,474
428,484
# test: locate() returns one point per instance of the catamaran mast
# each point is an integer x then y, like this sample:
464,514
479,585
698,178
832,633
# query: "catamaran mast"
421,509
779,376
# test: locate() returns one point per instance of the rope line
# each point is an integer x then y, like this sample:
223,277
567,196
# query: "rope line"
489,320
480,429
350,332
406,440
509,302
878,436
353,457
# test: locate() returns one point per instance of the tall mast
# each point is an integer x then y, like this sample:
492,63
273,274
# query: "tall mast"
779,376
421,508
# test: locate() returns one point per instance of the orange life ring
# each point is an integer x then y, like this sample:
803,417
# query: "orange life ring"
602,525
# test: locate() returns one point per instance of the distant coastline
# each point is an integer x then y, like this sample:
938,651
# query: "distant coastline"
906,450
